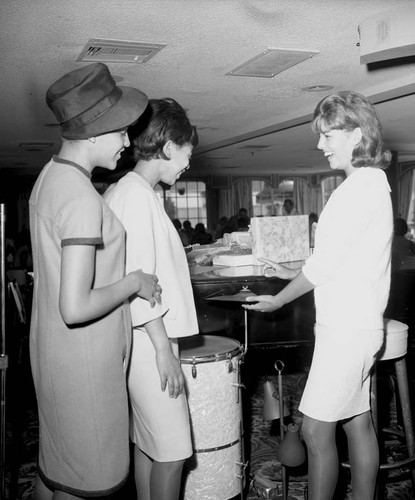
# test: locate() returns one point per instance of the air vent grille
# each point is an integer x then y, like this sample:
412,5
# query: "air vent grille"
118,51
270,62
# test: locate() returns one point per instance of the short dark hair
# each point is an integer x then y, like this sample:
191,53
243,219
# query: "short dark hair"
164,120
347,110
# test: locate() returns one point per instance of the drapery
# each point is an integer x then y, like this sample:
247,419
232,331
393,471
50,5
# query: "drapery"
241,195
307,199
406,202
225,205
301,195
316,200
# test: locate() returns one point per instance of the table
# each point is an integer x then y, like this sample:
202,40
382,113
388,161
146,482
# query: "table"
290,326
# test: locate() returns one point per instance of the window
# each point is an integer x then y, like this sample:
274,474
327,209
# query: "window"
268,200
186,200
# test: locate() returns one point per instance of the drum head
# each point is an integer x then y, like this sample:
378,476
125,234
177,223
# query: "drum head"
207,348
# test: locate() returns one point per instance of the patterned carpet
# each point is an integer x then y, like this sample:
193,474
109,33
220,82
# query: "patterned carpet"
264,477
265,469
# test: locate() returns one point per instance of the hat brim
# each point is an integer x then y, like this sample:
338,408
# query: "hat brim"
124,113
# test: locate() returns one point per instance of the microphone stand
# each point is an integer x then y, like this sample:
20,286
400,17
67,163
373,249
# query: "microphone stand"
3,355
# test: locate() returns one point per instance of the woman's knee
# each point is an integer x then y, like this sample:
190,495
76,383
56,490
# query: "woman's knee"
317,434
172,467
308,431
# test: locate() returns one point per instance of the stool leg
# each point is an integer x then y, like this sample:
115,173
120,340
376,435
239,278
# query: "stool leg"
403,388
374,399
374,411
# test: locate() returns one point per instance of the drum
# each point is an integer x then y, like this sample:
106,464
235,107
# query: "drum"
211,366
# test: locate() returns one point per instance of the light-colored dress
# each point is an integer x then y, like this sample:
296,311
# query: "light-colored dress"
159,424
78,371
350,268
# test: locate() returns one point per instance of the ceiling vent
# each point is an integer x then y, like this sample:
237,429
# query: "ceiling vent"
270,62
118,51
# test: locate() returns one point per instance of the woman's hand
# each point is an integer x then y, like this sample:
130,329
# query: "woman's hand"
170,372
147,287
263,303
273,269
168,365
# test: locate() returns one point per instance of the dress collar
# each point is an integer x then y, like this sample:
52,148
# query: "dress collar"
57,159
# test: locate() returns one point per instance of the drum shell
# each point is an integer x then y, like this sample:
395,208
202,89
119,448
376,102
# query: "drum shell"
211,366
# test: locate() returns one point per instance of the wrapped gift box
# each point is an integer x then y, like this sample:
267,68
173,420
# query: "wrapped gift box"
280,238
232,260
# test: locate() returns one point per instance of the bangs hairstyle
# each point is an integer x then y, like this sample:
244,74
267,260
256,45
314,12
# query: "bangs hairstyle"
348,110
164,120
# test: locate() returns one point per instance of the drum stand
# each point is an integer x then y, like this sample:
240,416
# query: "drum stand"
293,452
3,355
279,366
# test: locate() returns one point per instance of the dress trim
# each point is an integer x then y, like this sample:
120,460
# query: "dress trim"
81,241
57,159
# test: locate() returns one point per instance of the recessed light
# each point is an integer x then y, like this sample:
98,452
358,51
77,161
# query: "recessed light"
317,88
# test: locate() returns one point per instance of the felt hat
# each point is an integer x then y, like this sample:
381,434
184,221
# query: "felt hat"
87,102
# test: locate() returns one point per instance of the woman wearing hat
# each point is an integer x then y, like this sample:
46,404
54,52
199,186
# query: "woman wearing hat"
160,426
80,327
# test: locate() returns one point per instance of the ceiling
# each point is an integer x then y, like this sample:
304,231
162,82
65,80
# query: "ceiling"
246,124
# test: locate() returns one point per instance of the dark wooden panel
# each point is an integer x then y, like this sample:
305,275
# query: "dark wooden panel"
290,326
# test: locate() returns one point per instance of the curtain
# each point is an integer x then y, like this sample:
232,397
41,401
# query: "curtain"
23,210
301,195
241,195
407,190
225,206
316,199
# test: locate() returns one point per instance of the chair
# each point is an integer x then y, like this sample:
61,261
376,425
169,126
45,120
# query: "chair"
394,351
17,275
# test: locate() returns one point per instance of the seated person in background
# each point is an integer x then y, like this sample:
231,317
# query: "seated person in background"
182,233
401,245
312,220
188,229
201,236
223,222
288,207
243,223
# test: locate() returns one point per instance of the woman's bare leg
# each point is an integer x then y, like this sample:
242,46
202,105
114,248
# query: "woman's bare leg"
323,466
42,492
142,474
156,480
166,480
363,455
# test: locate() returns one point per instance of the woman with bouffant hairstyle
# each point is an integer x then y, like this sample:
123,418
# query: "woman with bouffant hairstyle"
350,274
347,111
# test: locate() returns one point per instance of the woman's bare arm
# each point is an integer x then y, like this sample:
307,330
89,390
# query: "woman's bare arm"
268,303
79,302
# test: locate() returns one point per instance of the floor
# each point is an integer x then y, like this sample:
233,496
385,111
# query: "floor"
261,437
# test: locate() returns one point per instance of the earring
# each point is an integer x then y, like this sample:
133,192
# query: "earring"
92,139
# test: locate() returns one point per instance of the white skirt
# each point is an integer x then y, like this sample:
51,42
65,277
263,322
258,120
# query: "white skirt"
338,385
159,425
